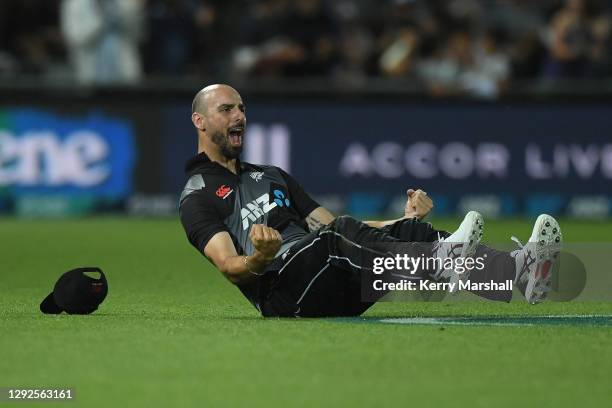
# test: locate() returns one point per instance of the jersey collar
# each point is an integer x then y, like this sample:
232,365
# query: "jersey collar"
201,160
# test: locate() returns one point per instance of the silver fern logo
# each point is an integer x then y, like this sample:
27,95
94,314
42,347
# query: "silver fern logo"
257,175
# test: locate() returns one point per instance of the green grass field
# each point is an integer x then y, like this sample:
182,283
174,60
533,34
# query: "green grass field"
173,332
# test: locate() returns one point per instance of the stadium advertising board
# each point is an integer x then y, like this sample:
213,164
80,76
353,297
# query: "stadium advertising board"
53,164
505,159
356,157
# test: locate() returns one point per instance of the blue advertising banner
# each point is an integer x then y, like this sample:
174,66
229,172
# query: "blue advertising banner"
354,156
515,157
43,154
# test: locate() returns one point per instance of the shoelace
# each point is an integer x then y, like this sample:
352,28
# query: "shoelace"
520,274
518,242
516,251
436,246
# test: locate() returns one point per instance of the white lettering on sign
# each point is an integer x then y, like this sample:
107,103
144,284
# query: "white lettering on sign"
583,161
425,160
456,160
43,159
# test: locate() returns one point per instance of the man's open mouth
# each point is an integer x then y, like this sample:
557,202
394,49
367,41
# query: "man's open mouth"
235,135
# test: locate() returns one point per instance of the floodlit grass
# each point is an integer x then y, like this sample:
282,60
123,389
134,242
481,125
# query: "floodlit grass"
173,332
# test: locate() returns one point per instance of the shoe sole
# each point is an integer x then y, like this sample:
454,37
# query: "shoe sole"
548,239
475,235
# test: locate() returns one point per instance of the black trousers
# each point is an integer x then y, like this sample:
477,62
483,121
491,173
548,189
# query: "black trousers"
321,275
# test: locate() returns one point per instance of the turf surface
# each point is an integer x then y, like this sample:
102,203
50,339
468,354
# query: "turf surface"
173,332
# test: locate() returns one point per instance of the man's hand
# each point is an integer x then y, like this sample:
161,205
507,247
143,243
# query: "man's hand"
267,241
418,204
242,268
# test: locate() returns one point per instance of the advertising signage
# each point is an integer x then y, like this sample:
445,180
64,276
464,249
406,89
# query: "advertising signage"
48,156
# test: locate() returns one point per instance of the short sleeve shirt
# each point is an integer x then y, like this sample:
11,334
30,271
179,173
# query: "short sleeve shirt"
216,200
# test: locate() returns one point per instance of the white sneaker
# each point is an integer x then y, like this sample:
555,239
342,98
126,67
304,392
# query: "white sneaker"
460,244
534,261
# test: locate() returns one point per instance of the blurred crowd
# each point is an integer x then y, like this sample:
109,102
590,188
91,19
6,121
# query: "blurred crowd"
450,47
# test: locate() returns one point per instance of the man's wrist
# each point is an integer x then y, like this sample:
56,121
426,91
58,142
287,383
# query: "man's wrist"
260,257
249,268
257,261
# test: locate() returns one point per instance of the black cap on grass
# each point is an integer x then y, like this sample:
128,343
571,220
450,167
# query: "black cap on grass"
77,292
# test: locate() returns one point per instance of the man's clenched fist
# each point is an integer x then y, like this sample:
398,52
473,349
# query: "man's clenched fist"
418,204
266,240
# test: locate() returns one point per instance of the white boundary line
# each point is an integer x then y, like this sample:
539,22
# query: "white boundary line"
473,321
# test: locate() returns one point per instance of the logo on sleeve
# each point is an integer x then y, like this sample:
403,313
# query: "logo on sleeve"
224,191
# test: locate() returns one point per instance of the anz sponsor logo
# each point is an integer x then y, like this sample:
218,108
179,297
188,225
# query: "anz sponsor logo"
256,209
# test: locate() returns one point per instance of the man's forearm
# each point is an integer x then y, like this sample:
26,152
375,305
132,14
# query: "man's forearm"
381,224
243,268
319,218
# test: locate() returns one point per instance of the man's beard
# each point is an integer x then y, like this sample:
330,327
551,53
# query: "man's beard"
221,140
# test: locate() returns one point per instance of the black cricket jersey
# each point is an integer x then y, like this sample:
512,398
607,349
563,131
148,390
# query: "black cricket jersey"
215,200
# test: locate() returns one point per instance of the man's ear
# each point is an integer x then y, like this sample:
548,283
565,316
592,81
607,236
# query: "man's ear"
198,120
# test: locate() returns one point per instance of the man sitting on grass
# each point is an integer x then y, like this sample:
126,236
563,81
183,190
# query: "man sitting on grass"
291,257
